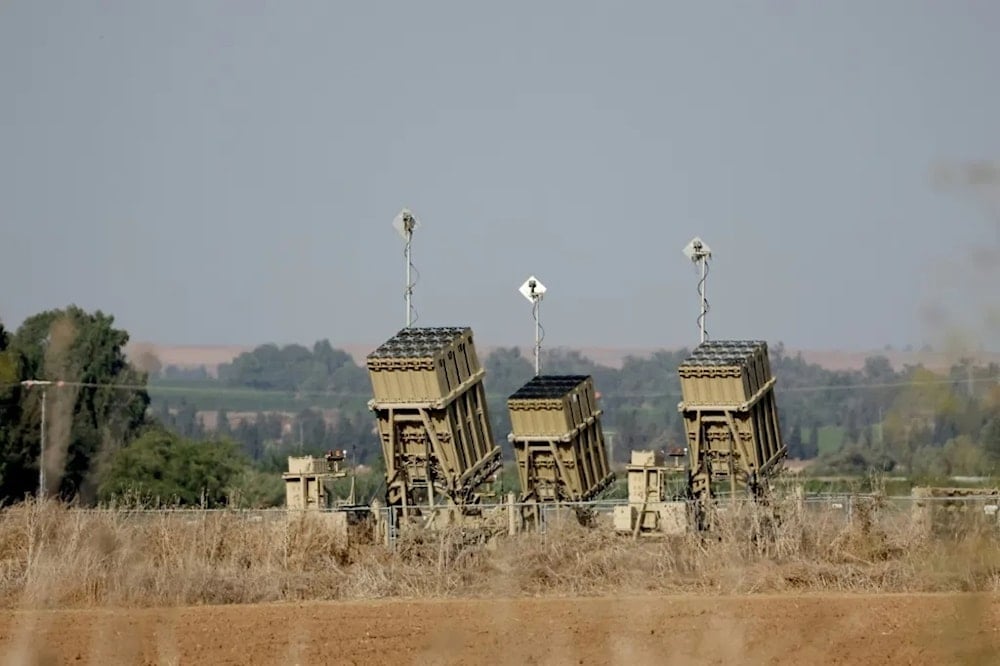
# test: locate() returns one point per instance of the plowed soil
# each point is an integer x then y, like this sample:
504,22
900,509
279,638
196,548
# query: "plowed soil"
813,629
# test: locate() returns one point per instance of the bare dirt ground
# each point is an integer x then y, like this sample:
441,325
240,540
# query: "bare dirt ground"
803,629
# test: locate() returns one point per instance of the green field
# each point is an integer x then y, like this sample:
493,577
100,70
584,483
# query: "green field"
211,396
831,439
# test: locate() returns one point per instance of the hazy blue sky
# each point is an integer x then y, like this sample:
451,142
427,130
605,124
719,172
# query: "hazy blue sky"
227,172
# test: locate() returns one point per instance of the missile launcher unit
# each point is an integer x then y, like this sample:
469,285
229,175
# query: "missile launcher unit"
557,439
730,417
432,418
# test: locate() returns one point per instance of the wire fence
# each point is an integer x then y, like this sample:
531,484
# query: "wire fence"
509,518
834,499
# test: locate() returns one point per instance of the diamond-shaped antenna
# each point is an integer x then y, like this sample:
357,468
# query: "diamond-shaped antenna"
697,249
405,222
533,290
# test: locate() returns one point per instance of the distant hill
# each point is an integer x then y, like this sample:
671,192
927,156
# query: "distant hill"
211,356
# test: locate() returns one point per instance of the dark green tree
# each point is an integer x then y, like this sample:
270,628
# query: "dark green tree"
310,433
222,427
812,450
99,409
295,368
14,458
794,442
248,434
990,440
507,370
161,467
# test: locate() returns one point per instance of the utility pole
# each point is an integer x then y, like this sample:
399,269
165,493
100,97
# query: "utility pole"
880,422
44,384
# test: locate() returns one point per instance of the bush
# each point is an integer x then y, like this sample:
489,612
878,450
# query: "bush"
161,468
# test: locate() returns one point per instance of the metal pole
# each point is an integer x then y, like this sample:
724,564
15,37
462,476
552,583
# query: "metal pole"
533,290
41,453
44,384
704,310
409,286
880,426
538,337
698,252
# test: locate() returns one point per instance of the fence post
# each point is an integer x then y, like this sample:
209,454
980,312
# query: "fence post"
390,527
511,516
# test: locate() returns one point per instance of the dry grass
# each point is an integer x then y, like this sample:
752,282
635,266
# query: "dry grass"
55,556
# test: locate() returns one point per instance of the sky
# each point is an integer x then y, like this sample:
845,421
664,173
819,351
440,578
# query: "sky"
228,172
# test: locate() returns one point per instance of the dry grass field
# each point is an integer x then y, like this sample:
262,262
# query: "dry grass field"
123,586
192,356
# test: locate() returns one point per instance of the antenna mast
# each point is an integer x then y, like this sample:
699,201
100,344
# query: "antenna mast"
698,252
405,223
533,290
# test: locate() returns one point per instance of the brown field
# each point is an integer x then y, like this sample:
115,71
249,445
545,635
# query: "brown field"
193,356
857,629
221,587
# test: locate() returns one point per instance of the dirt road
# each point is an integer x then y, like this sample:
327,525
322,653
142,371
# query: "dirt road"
813,629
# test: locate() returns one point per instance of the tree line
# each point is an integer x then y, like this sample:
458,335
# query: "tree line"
114,430
102,442
850,421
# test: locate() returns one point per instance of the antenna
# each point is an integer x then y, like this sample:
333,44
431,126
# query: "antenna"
699,252
533,290
405,223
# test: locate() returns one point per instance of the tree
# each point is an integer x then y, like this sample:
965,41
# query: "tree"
812,450
222,428
8,367
917,411
186,422
795,444
336,371
10,411
161,467
310,432
10,370
248,434
507,370
878,369
85,424
296,368
571,362
989,439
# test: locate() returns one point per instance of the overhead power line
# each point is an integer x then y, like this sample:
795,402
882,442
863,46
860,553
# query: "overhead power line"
232,391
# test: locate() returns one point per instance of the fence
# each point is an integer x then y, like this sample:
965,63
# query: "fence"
499,519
